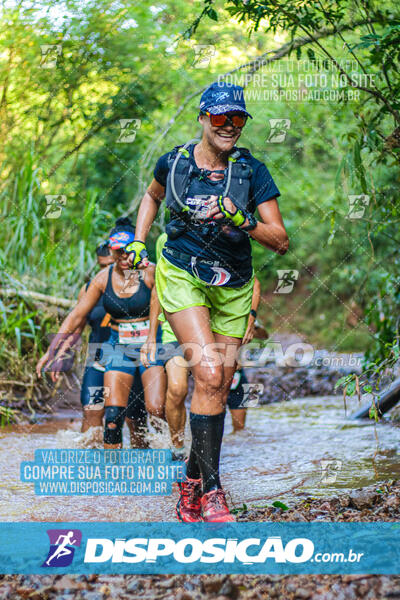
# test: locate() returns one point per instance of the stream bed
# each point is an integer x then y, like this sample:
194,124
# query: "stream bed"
288,450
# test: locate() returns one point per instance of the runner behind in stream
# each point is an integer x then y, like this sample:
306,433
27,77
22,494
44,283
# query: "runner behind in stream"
92,387
128,298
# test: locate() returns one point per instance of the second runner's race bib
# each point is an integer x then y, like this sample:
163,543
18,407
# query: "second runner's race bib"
133,333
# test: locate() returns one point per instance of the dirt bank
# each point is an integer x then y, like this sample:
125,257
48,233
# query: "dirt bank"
367,504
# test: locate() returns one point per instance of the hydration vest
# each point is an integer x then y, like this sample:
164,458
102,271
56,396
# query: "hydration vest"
186,173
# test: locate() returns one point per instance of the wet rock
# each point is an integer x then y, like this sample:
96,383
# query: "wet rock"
212,585
40,594
168,583
190,586
325,506
229,589
344,501
297,516
392,502
303,593
184,595
349,514
69,583
350,593
25,592
363,499
134,586
5,592
355,577
106,589
92,595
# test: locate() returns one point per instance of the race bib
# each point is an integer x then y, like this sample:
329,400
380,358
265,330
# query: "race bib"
133,333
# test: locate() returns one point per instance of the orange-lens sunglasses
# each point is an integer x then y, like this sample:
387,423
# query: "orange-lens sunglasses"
221,120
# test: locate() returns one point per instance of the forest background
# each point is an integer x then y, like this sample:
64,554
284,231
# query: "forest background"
93,92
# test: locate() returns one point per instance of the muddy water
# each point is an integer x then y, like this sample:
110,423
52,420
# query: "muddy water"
288,450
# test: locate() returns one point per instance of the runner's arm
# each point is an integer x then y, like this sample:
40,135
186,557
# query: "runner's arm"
81,294
74,320
72,325
255,301
270,231
149,347
68,343
148,209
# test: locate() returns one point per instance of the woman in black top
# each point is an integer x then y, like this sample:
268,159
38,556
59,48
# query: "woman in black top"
128,297
93,391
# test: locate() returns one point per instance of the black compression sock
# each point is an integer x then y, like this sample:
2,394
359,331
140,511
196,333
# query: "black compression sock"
192,467
207,432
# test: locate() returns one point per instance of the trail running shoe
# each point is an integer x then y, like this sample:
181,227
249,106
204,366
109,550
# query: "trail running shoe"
215,508
188,508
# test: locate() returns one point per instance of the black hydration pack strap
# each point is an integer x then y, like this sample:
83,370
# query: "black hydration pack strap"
183,151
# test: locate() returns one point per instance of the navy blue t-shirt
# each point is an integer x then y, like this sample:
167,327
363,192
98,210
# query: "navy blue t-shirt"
232,258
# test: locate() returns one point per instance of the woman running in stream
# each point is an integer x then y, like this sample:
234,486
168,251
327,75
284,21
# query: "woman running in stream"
128,297
92,387
205,276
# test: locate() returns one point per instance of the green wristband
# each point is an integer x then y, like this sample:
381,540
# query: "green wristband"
237,218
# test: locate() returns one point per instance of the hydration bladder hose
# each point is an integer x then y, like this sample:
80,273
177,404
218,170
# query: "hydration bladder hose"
184,150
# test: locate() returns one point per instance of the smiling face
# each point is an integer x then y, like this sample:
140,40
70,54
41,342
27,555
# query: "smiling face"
221,138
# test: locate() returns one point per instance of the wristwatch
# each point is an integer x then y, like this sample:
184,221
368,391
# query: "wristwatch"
252,222
253,313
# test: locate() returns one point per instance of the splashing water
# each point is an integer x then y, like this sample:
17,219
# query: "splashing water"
287,450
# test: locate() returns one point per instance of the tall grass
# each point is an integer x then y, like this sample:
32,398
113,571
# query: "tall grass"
41,253
51,256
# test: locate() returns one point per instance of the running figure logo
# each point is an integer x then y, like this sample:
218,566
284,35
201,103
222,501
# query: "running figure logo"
129,129
252,393
62,547
287,279
98,394
357,206
278,131
50,54
330,470
54,207
203,55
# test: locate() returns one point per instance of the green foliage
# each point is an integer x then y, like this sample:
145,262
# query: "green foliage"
281,505
119,61
366,251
